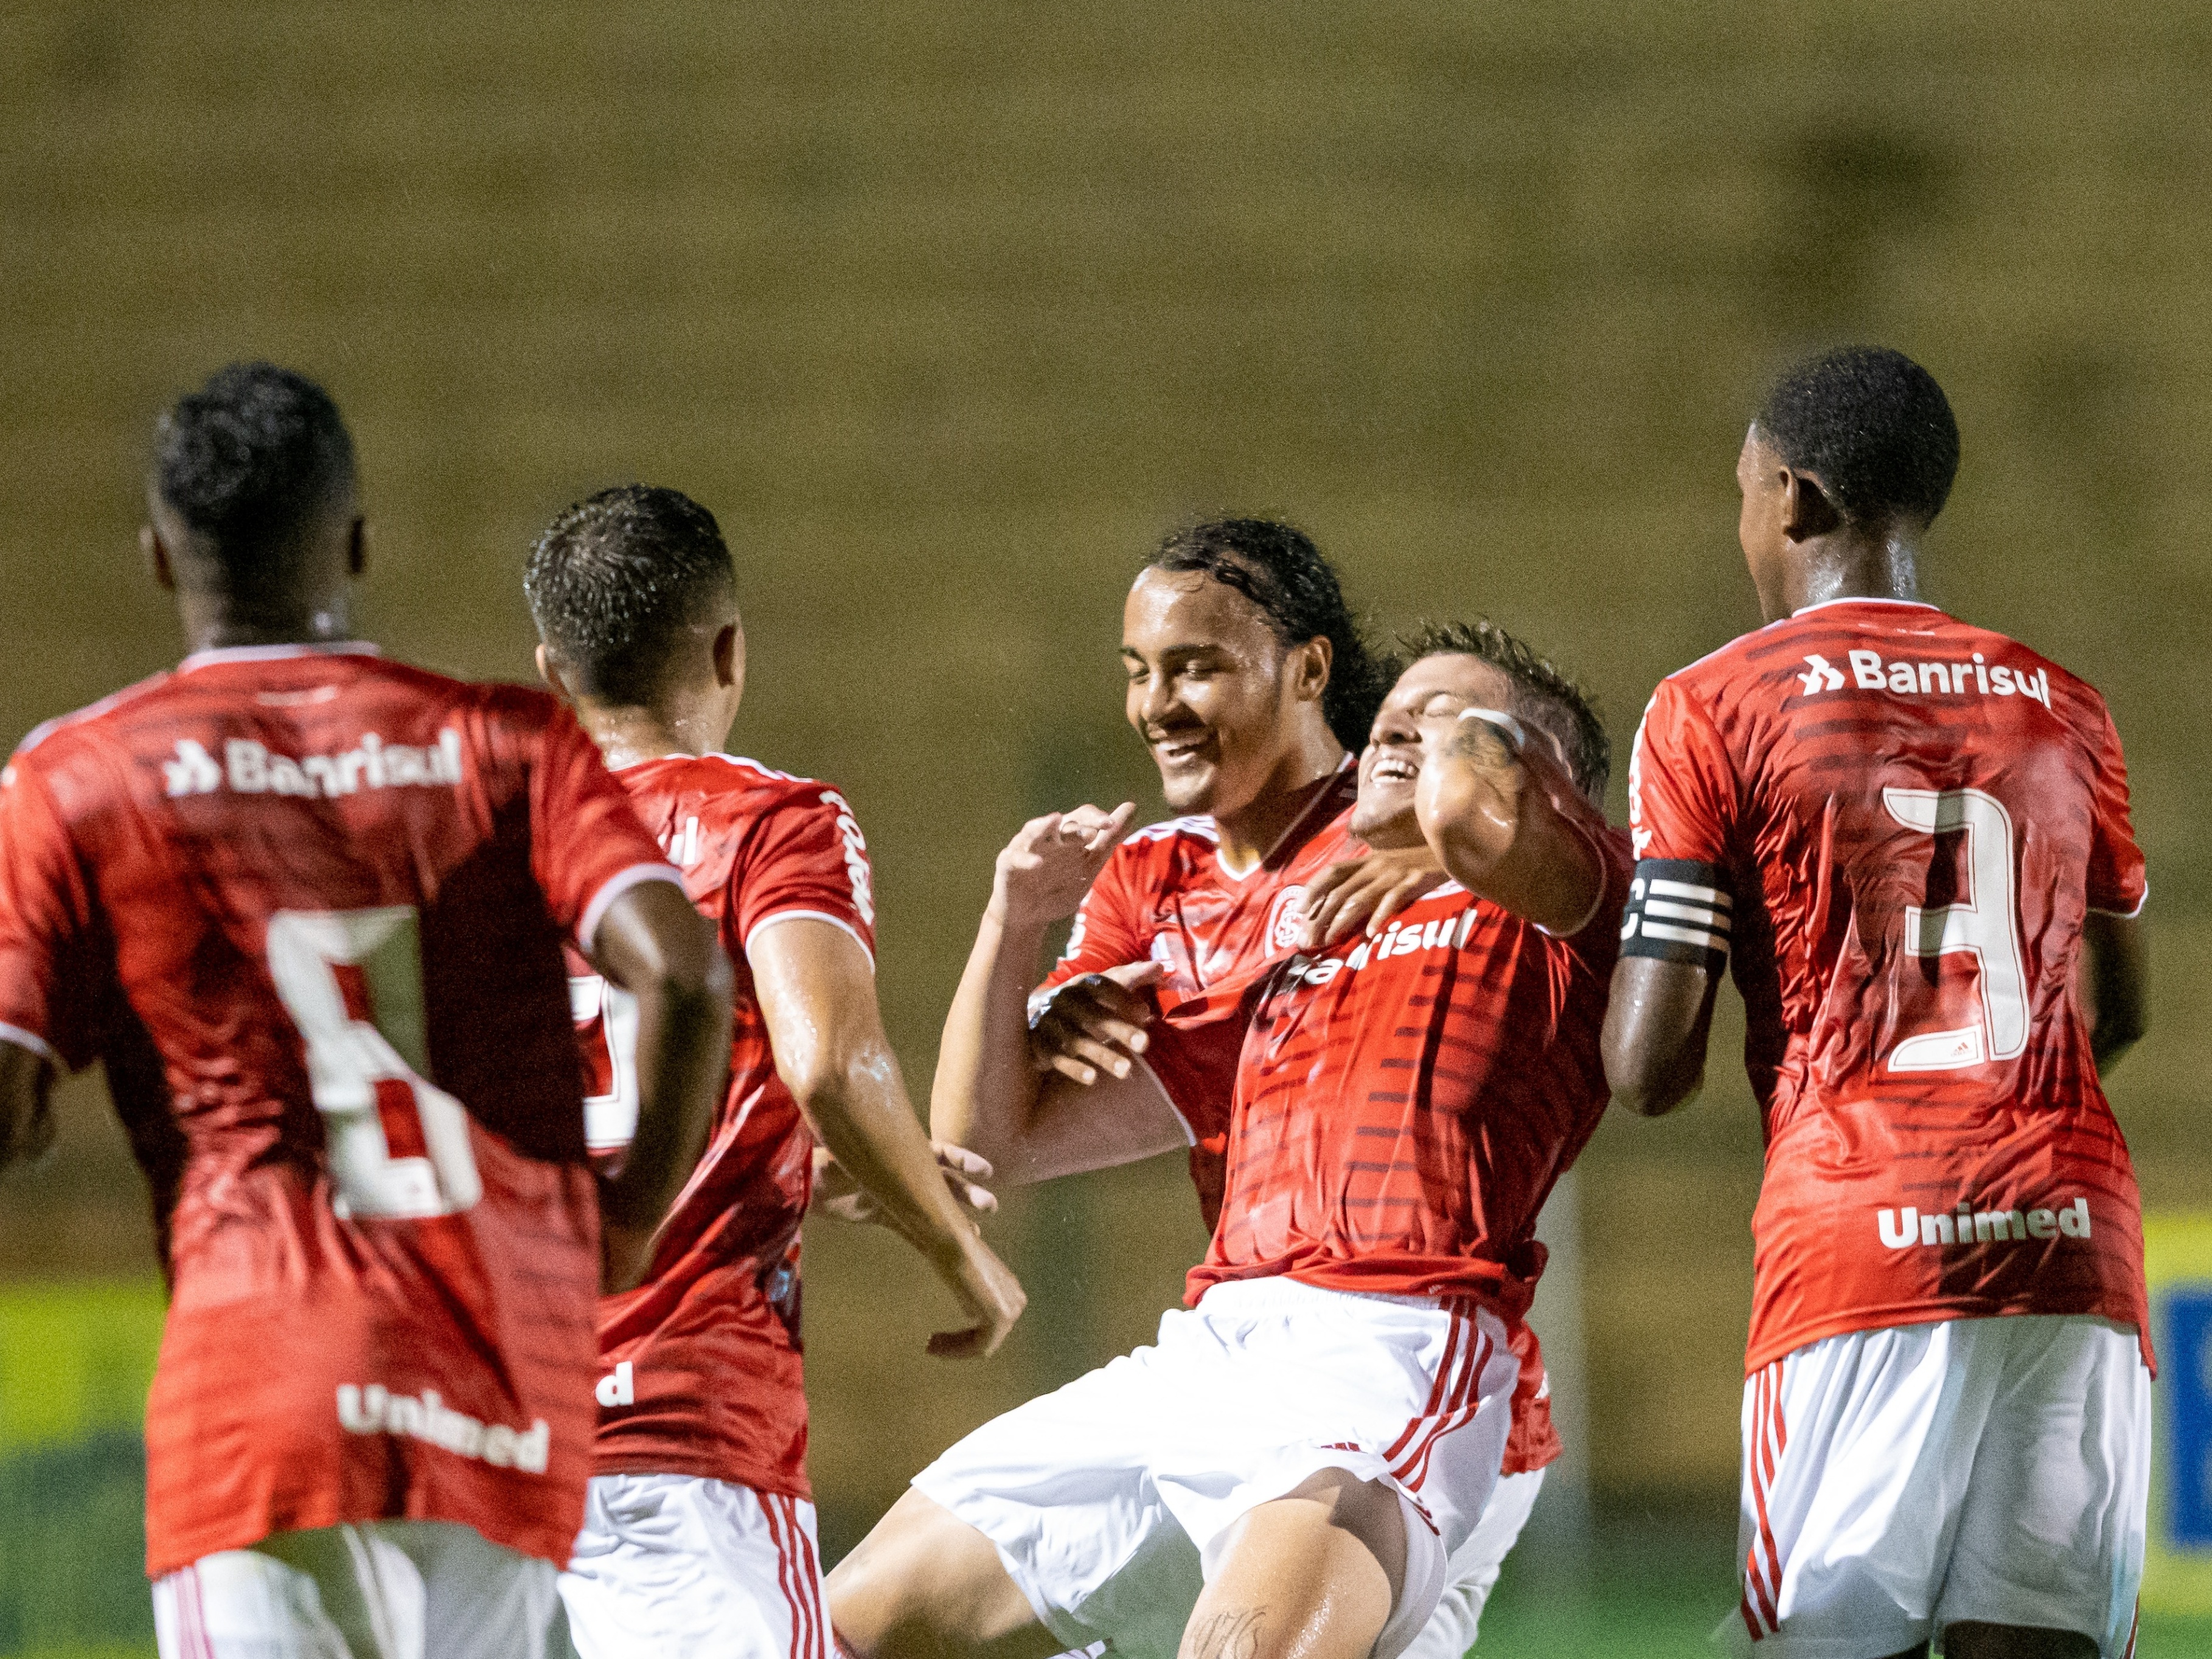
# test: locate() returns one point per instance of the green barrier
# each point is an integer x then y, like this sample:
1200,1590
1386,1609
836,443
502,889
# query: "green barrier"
75,1361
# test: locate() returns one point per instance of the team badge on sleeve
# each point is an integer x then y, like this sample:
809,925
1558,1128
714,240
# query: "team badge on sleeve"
1678,910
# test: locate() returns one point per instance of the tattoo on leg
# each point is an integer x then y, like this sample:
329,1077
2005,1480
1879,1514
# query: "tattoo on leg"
1224,1636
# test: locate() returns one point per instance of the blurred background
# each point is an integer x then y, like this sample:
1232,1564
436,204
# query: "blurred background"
947,310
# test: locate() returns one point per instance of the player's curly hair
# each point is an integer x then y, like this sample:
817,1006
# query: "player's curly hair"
1543,693
1872,426
1277,566
615,577
248,460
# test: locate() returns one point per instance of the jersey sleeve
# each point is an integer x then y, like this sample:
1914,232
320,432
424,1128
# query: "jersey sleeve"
587,847
806,859
52,977
1681,820
1105,934
2116,878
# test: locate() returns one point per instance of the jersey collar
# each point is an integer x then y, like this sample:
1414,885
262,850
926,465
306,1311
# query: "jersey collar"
276,652
1861,599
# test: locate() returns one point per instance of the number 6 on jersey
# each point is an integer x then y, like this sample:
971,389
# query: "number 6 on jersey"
352,981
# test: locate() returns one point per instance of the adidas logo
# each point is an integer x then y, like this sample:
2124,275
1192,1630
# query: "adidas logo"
1950,679
375,1410
252,768
1903,1229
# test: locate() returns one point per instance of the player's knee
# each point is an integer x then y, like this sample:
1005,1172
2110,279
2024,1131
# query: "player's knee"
924,1584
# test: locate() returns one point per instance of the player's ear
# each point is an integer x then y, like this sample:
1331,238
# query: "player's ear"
1309,666
1807,510
729,655
157,558
548,671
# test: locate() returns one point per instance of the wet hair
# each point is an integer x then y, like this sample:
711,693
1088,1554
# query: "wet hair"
614,580
247,461
1873,425
1543,693
1278,567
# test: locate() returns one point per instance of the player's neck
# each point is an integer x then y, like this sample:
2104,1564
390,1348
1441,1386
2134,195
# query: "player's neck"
1847,566
627,733
1249,834
214,620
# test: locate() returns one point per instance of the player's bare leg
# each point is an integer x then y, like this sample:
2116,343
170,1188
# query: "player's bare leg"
1312,1575
1971,1639
924,1584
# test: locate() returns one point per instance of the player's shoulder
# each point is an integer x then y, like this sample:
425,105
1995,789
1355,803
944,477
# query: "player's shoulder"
1153,854
90,722
727,790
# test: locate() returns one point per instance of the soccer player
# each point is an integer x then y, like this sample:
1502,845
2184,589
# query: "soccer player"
308,906
1292,1465
1910,834
700,1535
1250,682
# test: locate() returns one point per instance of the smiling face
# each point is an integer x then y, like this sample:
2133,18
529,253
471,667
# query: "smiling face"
1422,708
1213,693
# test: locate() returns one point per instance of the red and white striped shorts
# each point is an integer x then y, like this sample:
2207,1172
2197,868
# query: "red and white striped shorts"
1110,1500
374,1590
679,1564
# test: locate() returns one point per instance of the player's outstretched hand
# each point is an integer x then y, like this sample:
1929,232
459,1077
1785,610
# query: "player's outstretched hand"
989,1293
1049,865
1366,892
837,1195
1094,1023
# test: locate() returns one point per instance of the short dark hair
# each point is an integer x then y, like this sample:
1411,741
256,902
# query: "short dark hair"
616,576
1873,425
1543,693
1277,566
249,458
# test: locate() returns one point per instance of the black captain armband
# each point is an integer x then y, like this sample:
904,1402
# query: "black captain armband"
1678,910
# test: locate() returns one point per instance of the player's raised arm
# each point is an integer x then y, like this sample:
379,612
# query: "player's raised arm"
1498,810
817,992
989,1095
655,946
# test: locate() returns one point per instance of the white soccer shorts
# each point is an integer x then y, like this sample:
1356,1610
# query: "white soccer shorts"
675,1566
1472,1573
376,1589
1897,1480
1109,1500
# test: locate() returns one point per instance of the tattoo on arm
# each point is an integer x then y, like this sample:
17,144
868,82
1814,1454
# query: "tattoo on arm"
1224,1636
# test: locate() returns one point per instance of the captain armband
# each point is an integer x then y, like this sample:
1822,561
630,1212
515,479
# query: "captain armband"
1678,910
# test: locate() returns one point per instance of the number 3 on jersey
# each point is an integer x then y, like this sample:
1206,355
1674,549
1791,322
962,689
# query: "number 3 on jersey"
352,981
1983,922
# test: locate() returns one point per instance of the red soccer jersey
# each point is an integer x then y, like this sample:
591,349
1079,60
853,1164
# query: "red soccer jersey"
701,1363
308,907
1165,897
1405,1104
1901,819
